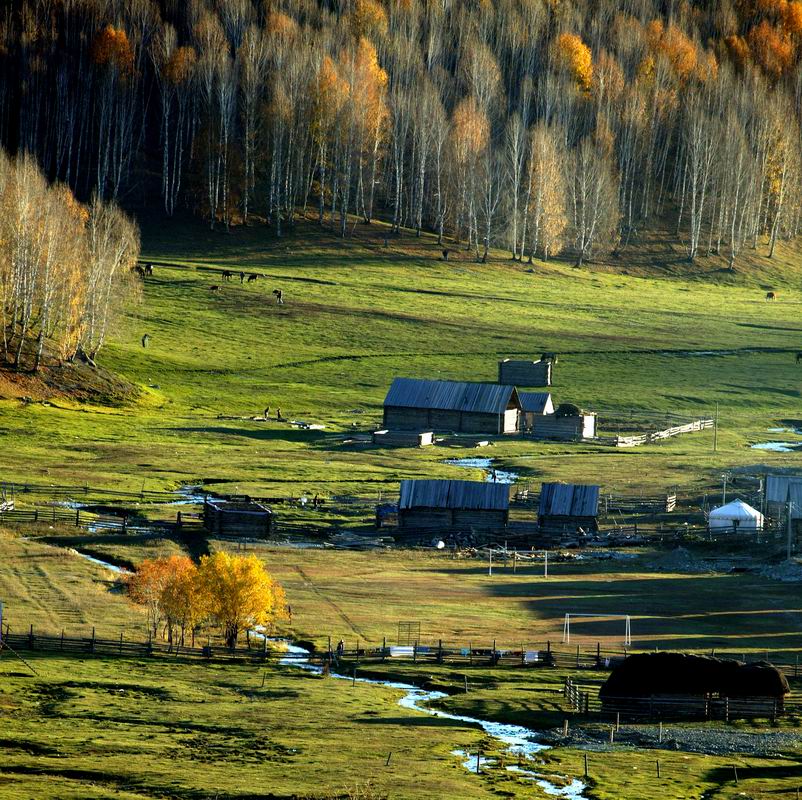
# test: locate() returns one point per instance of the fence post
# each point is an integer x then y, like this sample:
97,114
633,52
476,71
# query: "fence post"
125,523
384,648
77,517
92,646
415,652
493,656
30,638
439,651
121,642
62,638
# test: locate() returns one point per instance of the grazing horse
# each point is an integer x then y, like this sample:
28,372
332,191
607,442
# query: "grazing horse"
227,275
252,277
771,295
214,288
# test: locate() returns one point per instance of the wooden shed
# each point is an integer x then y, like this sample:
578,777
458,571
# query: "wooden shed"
453,504
424,405
564,428
244,518
534,404
569,506
524,373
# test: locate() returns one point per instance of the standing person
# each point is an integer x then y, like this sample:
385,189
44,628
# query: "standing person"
340,649
267,412
278,414
242,277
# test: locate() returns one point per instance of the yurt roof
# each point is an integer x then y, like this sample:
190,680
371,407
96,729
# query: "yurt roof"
735,509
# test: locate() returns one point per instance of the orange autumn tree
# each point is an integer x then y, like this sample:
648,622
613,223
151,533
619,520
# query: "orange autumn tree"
772,48
239,594
111,47
576,57
234,593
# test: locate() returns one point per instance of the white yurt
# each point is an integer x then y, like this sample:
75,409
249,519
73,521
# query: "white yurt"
737,516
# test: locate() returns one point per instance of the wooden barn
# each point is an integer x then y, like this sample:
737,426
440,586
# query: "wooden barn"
424,405
568,506
684,685
453,504
534,404
516,372
242,518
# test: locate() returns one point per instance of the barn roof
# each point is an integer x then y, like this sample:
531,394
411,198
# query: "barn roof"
240,506
777,487
568,500
536,402
482,398
454,494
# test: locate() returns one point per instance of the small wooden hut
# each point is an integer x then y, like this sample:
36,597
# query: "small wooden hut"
568,423
684,685
424,405
568,507
242,518
517,372
453,504
534,404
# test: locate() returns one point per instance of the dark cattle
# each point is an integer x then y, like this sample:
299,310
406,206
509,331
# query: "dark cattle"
146,340
771,295
138,270
445,255
279,297
149,269
252,277
214,288
798,357
227,275
549,357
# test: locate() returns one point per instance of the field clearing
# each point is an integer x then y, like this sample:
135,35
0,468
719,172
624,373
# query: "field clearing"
357,314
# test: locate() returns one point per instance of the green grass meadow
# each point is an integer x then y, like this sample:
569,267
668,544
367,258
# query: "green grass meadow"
357,314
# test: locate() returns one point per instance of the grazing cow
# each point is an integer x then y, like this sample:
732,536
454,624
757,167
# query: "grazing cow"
227,274
242,277
549,357
771,295
146,340
252,277
138,270
279,297
149,269
214,288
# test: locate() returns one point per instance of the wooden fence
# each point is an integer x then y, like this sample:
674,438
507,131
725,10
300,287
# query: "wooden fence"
656,436
85,519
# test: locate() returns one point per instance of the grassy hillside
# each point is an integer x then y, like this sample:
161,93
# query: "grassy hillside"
667,337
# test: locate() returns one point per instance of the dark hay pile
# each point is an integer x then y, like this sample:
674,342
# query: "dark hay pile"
649,674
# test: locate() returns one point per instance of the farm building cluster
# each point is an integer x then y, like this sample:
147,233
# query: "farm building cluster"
423,407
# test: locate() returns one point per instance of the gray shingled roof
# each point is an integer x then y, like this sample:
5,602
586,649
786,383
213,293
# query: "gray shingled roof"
454,494
482,398
568,500
536,402
777,487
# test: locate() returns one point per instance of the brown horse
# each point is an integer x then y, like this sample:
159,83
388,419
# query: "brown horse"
227,274
252,277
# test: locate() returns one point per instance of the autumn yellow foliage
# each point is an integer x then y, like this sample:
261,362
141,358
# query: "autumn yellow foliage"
230,592
577,57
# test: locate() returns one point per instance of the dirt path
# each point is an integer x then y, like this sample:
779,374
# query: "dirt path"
320,593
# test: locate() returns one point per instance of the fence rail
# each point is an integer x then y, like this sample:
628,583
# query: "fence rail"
656,436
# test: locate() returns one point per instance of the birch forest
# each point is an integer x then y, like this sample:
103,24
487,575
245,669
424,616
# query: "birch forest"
538,126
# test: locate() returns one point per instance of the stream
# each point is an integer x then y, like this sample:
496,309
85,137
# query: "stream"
492,475
519,741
